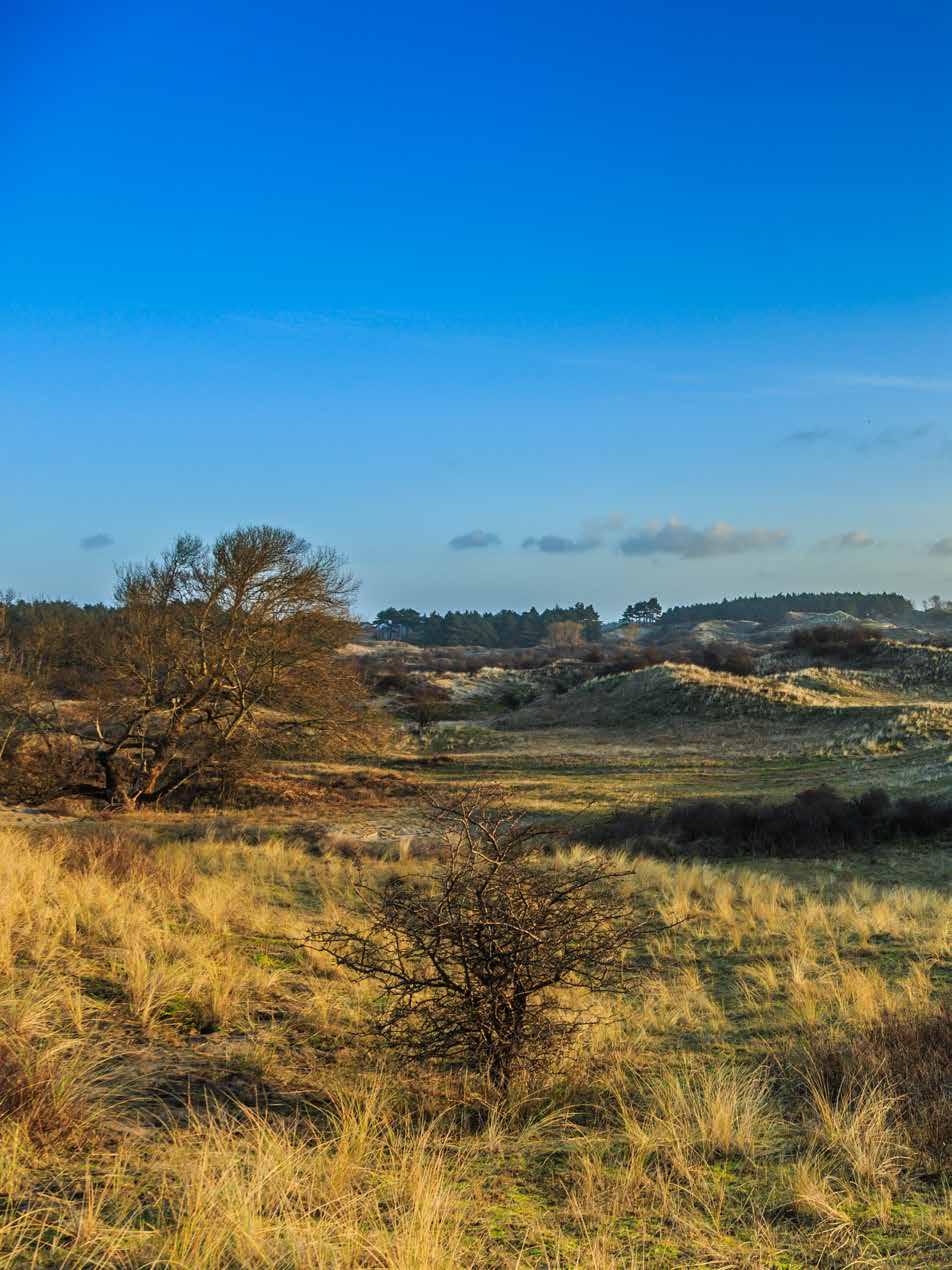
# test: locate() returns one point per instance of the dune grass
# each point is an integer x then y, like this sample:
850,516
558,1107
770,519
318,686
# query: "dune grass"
183,1085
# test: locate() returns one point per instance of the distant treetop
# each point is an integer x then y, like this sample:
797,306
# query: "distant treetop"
643,613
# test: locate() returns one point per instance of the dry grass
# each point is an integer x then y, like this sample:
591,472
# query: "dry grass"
181,1086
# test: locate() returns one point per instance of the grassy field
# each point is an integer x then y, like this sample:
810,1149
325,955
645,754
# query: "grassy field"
561,770
183,1084
183,1088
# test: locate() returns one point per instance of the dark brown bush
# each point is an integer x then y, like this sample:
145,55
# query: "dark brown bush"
842,643
392,681
622,825
626,660
815,822
731,659
40,766
383,675
513,697
347,846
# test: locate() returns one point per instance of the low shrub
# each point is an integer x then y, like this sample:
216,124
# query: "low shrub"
469,958
626,660
383,675
842,643
815,822
38,766
517,695
622,825
731,659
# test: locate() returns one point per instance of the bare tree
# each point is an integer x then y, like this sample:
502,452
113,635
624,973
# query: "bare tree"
424,703
565,634
474,961
210,650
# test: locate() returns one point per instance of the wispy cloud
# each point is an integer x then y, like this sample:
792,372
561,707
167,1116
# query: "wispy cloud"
720,539
894,438
809,436
474,539
868,440
911,383
95,542
851,540
311,321
941,548
555,544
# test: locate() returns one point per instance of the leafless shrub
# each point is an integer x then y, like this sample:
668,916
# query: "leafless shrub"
625,660
38,766
844,643
425,703
815,822
473,960
731,659
565,634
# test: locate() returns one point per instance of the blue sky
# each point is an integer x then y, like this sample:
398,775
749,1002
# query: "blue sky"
661,290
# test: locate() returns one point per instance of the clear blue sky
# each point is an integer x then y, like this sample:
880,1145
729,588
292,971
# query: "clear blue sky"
394,274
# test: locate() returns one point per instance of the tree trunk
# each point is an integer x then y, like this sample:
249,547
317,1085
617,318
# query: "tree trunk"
116,790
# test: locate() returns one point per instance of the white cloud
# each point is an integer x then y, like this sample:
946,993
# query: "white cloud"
852,539
720,539
555,544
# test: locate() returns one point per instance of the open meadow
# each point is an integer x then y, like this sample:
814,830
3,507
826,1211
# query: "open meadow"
186,1081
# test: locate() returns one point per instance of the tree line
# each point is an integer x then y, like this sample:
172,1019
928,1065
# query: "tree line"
505,629
772,608
511,629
